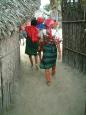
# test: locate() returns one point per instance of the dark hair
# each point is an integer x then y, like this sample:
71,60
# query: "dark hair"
33,22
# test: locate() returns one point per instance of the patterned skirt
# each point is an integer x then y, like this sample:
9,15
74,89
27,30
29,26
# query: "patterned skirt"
31,48
49,56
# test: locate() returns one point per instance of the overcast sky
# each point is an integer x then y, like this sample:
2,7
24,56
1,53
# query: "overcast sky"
44,2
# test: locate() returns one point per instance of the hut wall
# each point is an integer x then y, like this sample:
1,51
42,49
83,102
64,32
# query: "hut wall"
9,45
9,69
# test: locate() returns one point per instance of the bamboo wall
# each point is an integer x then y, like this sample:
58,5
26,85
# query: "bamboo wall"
74,34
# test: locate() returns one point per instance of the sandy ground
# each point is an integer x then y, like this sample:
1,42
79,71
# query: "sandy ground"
65,96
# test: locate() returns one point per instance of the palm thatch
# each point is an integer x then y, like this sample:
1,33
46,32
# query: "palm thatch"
9,12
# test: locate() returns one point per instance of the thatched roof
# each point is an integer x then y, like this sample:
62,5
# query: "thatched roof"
9,12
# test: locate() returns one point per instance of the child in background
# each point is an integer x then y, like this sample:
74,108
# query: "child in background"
22,33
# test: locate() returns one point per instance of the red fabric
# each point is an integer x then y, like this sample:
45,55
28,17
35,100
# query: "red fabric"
40,20
49,33
50,22
32,32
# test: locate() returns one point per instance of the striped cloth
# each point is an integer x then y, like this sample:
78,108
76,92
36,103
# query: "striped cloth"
49,56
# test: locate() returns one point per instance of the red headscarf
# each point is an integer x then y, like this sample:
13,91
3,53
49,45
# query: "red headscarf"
32,33
49,24
40,20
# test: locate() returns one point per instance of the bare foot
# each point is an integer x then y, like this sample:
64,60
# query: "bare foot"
48,83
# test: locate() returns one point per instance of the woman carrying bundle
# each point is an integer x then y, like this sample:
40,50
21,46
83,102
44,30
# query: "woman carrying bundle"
32,42
50,50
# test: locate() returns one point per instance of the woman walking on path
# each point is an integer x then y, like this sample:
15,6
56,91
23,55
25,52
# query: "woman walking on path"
32,42
50,51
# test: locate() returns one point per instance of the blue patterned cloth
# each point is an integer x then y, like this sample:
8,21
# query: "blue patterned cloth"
40,26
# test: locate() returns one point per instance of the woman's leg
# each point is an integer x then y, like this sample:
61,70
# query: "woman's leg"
36,62
31,60
36,59
47,76
39,55
53,70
